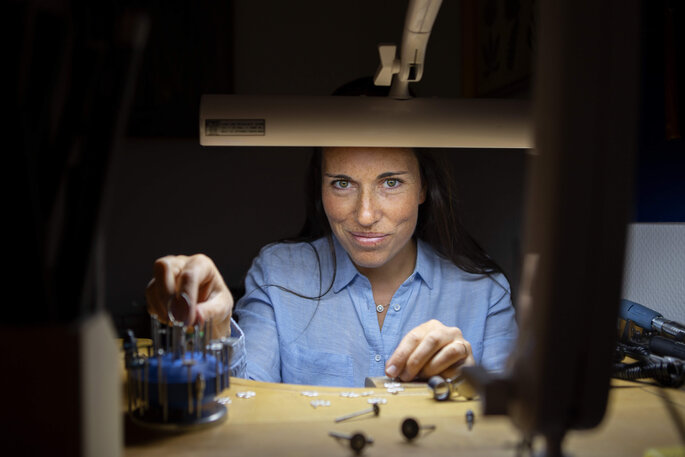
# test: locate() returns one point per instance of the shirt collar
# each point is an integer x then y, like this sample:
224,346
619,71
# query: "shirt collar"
346,271
426,259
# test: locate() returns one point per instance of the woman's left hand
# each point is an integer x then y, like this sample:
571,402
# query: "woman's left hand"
430,349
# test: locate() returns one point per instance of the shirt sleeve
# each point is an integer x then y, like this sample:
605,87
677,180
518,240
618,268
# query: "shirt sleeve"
257,321
500,331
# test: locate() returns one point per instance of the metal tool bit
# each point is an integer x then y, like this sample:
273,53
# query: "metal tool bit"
375,409
470,418
410,428
357,440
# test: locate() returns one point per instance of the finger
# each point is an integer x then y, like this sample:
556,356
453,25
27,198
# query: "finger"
197,282
153,299
163,285
397,361
447,359
215,308
430,345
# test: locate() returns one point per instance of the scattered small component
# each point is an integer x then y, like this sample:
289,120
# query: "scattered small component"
441,388
245,394
318,402
357,440
377,401
392,384
349,394
395,390
223,400
366,393
310,393
469,419
411,428
375,409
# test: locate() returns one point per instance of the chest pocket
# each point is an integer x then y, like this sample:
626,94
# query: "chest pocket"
302,365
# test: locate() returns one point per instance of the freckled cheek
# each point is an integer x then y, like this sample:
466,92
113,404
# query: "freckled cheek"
403,211
335,208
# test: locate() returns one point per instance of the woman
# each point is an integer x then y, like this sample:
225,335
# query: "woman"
385,282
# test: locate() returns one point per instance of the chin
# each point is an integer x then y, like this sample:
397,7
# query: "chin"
365,260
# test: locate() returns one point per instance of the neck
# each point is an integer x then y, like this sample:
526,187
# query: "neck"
394,272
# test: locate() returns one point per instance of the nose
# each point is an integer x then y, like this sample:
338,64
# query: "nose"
368,209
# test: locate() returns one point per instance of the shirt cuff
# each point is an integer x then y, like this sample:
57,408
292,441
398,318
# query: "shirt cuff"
238,364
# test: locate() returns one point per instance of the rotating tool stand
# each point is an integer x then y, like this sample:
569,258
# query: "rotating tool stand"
173,382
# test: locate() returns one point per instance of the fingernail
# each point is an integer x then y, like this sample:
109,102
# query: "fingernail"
391,371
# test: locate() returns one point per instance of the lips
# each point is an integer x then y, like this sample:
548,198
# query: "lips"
368,239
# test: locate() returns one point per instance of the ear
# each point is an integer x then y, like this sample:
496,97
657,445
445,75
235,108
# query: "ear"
422,195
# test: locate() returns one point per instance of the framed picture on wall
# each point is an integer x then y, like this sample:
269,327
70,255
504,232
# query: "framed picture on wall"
498,43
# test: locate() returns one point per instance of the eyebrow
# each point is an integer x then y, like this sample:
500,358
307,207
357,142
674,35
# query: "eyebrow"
387,174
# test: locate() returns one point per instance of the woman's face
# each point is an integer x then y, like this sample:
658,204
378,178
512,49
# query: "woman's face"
371,197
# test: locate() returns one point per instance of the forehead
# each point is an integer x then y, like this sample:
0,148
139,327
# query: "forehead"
370,159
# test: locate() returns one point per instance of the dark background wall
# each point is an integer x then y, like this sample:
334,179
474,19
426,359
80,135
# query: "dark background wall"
103,127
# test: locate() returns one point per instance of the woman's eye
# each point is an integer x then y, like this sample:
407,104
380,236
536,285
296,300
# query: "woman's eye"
341,184
392,182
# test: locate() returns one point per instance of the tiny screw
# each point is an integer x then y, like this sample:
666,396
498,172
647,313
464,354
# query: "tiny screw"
411,428
375,409
357,441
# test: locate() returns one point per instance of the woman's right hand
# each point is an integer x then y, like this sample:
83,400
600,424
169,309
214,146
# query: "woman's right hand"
191,290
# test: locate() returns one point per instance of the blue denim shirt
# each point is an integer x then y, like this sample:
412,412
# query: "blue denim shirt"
336,340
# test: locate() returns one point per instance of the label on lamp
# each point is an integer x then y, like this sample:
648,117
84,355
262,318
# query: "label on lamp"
235,127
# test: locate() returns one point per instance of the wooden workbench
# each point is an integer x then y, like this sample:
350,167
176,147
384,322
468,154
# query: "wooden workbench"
280,420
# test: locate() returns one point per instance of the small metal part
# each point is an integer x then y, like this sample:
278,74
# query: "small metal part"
196,338
309,393
178,340
441,388
375,409
319,402
470,418
160,379
200,390
245,394
189,365
205,341
227,354
357,440
377,401
349,394
410,428
216,348
154,331
147,384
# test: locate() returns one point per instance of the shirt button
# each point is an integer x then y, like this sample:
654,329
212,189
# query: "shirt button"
396,307
377,358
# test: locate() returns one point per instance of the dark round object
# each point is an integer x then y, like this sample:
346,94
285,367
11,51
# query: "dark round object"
410,428
376,409
357,442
